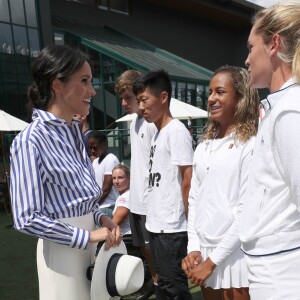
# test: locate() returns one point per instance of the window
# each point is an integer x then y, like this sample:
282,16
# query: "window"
202,95
30,13
108,69
103,4
21,42
34,43
94,60
59,38
4,12
6,43
80,1
17,12
25,32
89,2
181,91
191,93
120,6
173,89
120,68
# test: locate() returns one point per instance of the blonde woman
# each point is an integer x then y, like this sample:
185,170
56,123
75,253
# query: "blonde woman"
220,170
270,220
121,181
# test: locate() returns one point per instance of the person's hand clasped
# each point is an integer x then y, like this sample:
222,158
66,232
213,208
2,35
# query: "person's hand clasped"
192,260
118,235
103,234
114,229
201,272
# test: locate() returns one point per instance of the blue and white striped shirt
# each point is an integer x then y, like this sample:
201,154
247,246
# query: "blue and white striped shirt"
51,178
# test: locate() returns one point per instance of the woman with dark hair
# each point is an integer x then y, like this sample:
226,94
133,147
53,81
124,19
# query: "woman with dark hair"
53,189
103,165
220,170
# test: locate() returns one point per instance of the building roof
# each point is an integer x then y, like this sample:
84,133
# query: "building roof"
132,51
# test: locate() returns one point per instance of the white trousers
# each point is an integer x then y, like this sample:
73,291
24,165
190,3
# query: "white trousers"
274,277
62,269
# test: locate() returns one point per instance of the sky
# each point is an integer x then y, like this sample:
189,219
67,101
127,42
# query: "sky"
267,3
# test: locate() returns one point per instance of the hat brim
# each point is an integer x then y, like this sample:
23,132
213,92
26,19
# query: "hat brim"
98,286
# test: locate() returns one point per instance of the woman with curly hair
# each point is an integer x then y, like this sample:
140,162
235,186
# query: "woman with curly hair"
220,170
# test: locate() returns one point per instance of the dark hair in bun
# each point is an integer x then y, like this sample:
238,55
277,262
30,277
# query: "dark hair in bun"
54,62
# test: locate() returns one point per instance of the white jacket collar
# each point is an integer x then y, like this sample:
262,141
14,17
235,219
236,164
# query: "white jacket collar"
272,98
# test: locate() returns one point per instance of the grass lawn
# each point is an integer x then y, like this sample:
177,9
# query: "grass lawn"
18,274
195,293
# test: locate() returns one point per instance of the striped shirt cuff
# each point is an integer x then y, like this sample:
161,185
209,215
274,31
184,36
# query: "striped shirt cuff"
97,216
80,238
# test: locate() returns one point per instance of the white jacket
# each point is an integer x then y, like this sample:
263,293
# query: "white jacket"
220,171
270,218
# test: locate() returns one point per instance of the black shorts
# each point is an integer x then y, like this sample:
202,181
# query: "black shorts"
139,232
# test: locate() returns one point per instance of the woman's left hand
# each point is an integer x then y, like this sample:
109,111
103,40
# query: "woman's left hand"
199,274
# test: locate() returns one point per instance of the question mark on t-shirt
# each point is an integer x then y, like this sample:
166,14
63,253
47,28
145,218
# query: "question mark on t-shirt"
158,177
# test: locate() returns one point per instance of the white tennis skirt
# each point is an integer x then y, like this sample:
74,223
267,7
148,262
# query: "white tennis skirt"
62,269
231,273
274,277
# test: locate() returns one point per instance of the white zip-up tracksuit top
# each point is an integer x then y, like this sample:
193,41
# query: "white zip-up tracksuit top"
220,171
270,218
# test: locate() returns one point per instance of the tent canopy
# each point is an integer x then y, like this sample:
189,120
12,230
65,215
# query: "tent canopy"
179,110
10,123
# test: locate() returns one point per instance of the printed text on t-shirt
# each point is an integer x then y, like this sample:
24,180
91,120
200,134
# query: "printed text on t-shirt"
154,177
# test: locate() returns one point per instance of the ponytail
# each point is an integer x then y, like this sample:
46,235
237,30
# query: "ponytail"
296,63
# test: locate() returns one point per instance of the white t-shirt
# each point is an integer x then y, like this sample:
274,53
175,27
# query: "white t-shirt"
123,200
171,147
141,133
102,169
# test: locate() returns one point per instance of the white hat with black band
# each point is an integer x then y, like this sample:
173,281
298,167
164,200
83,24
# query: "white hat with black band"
116,274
